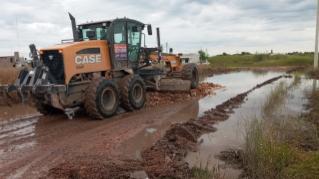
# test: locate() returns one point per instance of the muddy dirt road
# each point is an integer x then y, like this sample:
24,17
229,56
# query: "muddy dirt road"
30,147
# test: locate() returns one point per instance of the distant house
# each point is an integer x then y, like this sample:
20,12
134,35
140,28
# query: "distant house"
11,61
7,61
190,58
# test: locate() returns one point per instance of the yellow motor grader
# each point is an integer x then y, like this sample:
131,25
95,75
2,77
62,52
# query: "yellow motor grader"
103,67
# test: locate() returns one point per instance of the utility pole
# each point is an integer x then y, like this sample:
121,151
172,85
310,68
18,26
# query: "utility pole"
317,36
166,47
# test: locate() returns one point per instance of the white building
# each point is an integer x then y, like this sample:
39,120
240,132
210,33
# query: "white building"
190,58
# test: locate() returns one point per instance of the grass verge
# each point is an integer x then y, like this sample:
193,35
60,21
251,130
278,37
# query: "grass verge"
260,60
206,173
282,147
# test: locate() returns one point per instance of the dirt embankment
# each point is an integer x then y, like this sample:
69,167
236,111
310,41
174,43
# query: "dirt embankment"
165,159
160,98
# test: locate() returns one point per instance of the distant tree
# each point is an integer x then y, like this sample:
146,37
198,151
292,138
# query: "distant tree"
225,54
203,56
245,53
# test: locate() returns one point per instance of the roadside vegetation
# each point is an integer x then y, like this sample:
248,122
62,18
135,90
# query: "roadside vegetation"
280,146
246,59
313,74
204,172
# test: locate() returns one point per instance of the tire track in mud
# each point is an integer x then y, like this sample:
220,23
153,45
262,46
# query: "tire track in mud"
165,159
17,130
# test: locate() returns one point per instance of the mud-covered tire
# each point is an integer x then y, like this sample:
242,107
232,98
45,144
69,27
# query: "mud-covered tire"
190,72
132,92
101,99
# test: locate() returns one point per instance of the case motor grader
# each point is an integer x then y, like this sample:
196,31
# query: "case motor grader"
103,67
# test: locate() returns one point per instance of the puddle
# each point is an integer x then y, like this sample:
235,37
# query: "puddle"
234,83
230,133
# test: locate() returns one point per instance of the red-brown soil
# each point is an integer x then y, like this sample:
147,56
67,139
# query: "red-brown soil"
165,159
160,98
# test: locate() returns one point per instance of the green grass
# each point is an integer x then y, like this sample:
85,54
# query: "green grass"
306,168
260,60
280,146
273,150
206,173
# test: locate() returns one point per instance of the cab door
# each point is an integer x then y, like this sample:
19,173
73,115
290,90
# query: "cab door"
134,33
120,48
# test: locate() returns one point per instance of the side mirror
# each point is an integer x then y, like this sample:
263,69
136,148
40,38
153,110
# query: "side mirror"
91,34
149,29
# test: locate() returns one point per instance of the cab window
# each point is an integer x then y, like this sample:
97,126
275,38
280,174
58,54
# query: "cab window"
119,33
99,31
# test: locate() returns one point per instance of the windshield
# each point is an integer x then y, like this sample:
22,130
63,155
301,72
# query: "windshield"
99,31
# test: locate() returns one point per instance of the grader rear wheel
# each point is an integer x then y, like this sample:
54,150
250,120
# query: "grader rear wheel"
101,99
132,91
190,72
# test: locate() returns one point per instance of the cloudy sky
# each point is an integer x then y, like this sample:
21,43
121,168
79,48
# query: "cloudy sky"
187,25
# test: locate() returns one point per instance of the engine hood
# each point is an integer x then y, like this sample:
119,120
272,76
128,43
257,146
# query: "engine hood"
74,45
80,57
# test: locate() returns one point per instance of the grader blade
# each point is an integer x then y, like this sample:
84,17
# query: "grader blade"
174,85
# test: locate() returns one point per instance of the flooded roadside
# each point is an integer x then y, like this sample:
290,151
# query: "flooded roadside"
148,139
230,134
234,83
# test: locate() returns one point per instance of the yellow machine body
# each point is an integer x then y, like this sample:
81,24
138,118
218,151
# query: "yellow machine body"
79,60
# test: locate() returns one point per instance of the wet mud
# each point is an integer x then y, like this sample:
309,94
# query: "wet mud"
165,158
149,143
163,98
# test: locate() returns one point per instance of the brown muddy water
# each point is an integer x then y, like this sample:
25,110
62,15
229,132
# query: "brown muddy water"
230,134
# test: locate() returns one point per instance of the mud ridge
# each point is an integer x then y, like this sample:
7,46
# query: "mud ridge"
165,159
95,167
162,98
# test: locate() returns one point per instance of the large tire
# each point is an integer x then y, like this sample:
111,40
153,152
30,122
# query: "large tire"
133,93
101,99
190,72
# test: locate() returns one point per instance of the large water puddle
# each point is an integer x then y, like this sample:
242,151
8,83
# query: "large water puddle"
230,133
234,84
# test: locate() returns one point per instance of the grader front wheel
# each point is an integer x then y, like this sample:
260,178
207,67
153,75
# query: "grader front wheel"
102,99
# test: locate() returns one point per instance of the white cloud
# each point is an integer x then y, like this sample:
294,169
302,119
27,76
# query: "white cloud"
187,25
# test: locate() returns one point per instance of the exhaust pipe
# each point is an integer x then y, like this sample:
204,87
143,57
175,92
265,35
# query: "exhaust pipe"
74,29
159,43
